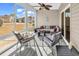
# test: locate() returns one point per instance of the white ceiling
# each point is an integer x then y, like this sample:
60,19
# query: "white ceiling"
55,6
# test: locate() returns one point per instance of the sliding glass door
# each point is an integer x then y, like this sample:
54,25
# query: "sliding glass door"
67,24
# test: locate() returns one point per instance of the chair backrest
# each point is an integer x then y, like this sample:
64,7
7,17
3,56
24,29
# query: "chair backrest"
19,37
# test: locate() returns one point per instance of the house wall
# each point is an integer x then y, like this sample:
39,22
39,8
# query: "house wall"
74,22
47,17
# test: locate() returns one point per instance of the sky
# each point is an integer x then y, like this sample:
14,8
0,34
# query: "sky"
8,8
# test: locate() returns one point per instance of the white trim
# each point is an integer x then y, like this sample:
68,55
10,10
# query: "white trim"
36,18
25,19
35,21
65,41
14,17
64,26
65,8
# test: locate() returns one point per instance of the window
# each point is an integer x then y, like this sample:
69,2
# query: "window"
31,20
20,18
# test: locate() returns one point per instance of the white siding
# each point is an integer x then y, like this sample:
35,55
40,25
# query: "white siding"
74,23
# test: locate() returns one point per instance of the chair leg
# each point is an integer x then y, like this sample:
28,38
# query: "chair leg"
20,49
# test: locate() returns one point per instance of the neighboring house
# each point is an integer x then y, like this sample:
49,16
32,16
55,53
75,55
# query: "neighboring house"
7,18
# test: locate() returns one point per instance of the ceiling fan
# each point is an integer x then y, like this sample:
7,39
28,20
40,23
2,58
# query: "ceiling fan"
45,6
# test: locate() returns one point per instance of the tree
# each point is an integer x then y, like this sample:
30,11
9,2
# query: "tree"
1,22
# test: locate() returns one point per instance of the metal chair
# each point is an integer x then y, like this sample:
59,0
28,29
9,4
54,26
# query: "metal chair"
52,42
23,41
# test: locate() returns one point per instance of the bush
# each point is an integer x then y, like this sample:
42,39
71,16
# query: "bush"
1,22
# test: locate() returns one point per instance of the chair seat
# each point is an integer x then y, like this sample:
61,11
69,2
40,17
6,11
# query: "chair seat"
21,39
51,40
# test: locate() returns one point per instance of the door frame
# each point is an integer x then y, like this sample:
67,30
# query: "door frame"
63,10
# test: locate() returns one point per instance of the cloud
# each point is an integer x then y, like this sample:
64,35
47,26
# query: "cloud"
20,10
20,14
29,12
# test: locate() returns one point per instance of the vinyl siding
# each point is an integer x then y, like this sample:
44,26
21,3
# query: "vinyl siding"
74,25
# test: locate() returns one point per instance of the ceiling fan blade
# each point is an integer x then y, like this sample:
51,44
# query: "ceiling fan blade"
47,8
43,5
48,5
40,4
39,8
